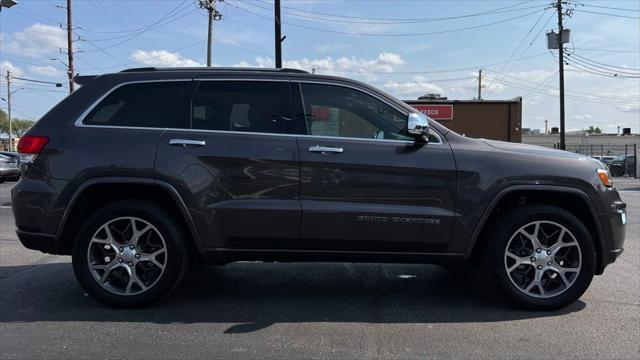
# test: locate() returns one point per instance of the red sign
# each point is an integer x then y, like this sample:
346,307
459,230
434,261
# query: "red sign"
436,112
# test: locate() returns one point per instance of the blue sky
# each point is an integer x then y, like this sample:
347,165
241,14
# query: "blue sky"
407,48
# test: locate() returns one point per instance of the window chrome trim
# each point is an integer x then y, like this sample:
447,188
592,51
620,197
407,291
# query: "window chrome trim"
84,114
80,120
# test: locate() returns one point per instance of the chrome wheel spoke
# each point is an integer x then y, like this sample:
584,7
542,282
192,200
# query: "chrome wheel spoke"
553,266
533,237
127,256
152,258
518,261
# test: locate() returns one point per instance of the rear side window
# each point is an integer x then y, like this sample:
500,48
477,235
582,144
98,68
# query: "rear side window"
244,106
152,104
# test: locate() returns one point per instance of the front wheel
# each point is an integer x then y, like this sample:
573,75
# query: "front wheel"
543,256
130,253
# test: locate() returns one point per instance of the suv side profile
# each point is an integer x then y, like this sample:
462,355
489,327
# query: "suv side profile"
138,173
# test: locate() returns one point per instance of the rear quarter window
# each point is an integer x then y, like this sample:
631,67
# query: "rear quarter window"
152,104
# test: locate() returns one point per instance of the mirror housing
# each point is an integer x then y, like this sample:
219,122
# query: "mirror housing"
418,127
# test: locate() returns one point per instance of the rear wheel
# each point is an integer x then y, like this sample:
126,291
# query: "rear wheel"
130,253
543,256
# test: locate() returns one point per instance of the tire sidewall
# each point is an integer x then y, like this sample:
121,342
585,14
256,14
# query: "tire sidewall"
505,230
173,238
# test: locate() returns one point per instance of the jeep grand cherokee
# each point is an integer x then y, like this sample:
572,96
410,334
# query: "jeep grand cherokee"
138,173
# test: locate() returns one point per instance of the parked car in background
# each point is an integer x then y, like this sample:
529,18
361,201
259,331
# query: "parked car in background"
606,159
224,165
623,165
9,168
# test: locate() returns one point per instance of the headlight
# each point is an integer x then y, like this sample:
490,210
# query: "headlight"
605,177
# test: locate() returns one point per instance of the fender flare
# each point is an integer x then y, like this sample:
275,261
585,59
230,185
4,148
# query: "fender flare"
173,193
548,188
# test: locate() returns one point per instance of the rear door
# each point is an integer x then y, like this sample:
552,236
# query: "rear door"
234,161
364,186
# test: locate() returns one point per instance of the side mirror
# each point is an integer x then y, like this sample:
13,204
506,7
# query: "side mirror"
418,127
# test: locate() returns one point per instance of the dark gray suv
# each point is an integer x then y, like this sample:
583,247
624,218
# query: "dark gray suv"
138,173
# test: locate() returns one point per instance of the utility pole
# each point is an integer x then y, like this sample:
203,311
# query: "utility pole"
9,109
480,84
70,47
278,36
561,64
214,15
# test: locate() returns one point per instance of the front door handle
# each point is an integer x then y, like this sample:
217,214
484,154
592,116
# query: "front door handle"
325,149
186,142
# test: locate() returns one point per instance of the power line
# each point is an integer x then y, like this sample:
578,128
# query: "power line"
389,35
608,14
541,84
383,21
603,64
596,71
598,100
608,7
489,90
608,50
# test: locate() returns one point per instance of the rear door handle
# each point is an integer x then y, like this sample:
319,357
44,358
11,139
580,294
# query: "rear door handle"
186,142
326,149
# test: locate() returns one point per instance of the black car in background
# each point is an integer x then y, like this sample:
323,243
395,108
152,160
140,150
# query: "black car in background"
623,165
138,173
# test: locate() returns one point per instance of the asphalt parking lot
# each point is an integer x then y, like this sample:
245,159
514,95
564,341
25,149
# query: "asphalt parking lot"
255,310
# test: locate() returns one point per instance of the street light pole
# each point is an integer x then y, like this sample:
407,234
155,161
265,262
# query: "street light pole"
561,71
9,109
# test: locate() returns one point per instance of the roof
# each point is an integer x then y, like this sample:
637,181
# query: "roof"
214,69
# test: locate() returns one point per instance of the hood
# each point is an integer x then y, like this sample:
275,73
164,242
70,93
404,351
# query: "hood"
533,149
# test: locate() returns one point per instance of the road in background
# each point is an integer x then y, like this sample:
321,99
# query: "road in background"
256,310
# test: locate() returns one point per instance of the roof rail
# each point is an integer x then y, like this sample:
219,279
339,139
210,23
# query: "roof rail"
285,70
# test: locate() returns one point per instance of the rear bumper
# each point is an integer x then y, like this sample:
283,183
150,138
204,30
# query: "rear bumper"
38,241
9,172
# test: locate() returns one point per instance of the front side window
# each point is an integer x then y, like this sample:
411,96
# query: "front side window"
244,106
151,104
338,111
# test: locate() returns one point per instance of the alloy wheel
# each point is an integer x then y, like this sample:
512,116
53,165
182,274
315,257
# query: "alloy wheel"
127,256
542,259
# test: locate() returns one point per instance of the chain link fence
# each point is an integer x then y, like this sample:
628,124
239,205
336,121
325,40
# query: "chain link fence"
621,159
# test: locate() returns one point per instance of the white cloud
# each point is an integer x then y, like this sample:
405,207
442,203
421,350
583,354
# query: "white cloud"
632,108
418,86
47,70
6,65
36,41
163,58
581,117
385,62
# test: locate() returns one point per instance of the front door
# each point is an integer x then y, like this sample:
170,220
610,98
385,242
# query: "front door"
234,161
364,186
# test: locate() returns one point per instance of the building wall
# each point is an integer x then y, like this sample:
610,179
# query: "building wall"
587,140
496,120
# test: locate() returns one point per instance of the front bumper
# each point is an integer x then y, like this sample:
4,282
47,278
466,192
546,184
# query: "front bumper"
617,219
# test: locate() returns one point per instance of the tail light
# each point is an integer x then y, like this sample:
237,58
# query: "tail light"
30,146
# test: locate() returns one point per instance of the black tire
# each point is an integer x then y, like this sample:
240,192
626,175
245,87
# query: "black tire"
177,250
511,221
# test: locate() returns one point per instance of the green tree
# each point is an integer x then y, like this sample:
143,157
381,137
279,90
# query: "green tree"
18,126
592,130
4,122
